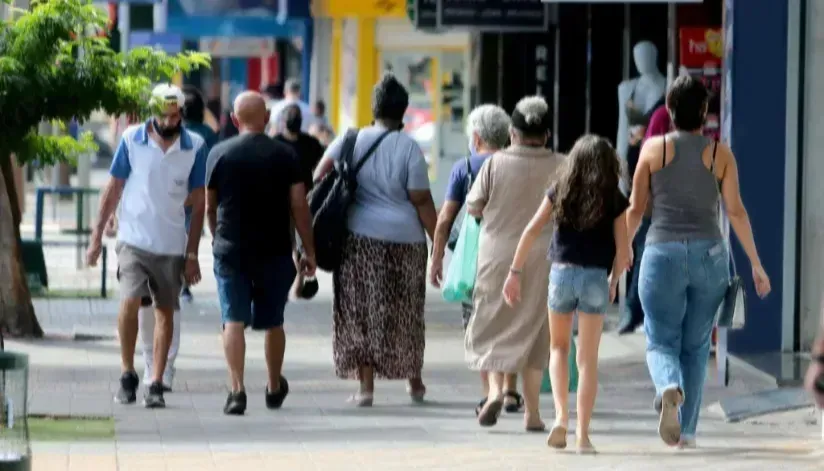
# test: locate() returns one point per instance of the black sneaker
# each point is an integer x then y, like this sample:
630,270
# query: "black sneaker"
127,394
154,397
275,399
235,403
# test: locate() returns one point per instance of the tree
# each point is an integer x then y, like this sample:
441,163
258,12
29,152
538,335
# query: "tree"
54,68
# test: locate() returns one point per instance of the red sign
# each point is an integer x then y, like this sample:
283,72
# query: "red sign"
701,47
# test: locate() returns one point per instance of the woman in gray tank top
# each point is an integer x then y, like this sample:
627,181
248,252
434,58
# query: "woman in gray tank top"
685,265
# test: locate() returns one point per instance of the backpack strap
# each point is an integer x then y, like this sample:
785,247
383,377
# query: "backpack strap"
468,171
369,153
347,151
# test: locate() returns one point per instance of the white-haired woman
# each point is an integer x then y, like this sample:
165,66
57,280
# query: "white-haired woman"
501,339
488,132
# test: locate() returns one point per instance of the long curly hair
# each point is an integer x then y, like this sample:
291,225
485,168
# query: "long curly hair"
587,182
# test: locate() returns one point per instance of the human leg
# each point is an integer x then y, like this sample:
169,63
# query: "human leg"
709,277
663,291
634,312
234,290
146,324
133,278
594,297
562,302
531,382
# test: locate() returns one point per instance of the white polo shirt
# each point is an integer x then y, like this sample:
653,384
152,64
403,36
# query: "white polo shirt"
151,215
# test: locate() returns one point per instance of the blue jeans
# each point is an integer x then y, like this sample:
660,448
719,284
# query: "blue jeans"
634,311
681,287
575,288
254,293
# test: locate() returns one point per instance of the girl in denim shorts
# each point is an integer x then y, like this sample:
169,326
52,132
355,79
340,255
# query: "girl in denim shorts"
589,252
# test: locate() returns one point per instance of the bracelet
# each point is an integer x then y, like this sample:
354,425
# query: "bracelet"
515,271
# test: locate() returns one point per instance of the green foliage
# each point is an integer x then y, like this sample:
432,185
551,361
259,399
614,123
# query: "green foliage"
53,68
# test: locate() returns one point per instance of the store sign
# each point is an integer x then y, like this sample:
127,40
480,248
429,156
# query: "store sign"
701,47
494,15
166,42
238,47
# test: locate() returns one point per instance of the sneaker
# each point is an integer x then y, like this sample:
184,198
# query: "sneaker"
154,397
127,394
235,403
275,399
186,294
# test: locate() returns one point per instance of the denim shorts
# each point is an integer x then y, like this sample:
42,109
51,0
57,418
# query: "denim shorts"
254,293
575,288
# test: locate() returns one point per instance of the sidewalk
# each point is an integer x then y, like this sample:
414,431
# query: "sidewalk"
318,430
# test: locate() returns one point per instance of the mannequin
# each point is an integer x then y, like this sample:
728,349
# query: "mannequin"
639,96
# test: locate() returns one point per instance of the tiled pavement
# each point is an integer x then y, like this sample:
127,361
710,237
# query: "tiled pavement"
318,430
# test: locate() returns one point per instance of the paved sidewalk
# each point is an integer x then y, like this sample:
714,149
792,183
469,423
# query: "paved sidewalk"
318,430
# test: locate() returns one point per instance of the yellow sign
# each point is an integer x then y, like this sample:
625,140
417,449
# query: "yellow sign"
362,8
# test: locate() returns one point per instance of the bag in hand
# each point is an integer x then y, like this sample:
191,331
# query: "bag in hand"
330,199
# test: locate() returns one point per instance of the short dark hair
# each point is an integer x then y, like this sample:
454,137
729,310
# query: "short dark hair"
687,100
292,86
274,90
194,107
389,99
321,106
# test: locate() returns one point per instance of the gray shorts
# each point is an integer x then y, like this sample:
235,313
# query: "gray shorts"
163,274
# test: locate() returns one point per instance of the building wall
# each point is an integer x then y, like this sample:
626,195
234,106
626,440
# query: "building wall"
812,213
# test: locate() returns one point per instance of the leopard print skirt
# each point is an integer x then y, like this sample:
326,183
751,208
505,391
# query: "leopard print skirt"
378,312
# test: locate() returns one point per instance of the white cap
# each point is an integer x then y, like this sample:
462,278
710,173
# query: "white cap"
167,93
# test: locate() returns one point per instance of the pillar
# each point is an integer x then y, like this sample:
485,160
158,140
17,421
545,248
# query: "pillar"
334,74
366,70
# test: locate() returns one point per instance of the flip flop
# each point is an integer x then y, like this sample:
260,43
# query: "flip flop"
361,399
510,406
490,412
669,427
417,395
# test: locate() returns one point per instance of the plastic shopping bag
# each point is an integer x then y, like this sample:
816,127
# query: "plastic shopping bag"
460,276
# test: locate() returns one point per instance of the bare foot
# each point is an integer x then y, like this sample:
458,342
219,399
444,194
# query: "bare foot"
533,422
557,437
584,446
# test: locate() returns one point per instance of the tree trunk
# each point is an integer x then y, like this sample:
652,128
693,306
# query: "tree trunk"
17,318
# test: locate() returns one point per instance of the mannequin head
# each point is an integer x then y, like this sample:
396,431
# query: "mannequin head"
646,58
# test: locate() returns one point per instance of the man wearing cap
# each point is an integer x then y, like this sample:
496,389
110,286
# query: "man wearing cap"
157,170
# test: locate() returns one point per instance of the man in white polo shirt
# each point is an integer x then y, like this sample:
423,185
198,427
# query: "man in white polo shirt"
158,168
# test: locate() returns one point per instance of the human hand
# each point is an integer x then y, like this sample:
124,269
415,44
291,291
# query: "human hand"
512,289
111,227
308,265
192,272
613,287
814,382
436,272
93,252
761,281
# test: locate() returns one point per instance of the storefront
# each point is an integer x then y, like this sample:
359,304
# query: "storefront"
368,38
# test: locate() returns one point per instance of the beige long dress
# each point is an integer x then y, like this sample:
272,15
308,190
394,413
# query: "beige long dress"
508,190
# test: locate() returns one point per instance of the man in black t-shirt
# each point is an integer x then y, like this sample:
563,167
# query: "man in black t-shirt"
255,189
308,149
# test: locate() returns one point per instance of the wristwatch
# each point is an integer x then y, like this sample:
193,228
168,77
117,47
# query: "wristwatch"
191,256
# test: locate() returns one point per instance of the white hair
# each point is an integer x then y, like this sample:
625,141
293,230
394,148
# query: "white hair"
491,124
534,109
166,93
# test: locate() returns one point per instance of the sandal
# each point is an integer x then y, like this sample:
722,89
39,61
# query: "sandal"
535,427
361,399
490,412
417,395
513,402
480,407
557,437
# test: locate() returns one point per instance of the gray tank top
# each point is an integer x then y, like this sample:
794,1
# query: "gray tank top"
684,194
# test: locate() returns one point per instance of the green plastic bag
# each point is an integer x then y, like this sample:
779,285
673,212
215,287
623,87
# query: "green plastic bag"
460,276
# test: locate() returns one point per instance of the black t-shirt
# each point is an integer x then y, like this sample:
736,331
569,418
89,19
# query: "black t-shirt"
593,247
253,175
309,151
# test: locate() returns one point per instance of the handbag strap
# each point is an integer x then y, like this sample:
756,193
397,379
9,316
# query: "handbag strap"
717,185
469,178
368,153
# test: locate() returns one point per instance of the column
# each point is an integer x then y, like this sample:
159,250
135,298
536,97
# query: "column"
366,70
334,74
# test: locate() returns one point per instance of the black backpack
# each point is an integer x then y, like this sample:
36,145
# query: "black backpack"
330,199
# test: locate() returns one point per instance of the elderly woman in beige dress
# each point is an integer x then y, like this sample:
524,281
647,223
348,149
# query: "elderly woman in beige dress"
501,339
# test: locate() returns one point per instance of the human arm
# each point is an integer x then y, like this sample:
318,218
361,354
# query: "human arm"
512,285
197,201
330,156
639,195
738,217
214,173
446,218
211,210
417,187
119,172
621,263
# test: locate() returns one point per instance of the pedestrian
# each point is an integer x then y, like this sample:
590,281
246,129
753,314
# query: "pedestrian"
488,132
248,176
589,253
291,91
308,149
380,287
319,114
685,266
633,315
157,168
502,339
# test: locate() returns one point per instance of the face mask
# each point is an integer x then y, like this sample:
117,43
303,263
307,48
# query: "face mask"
167,133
